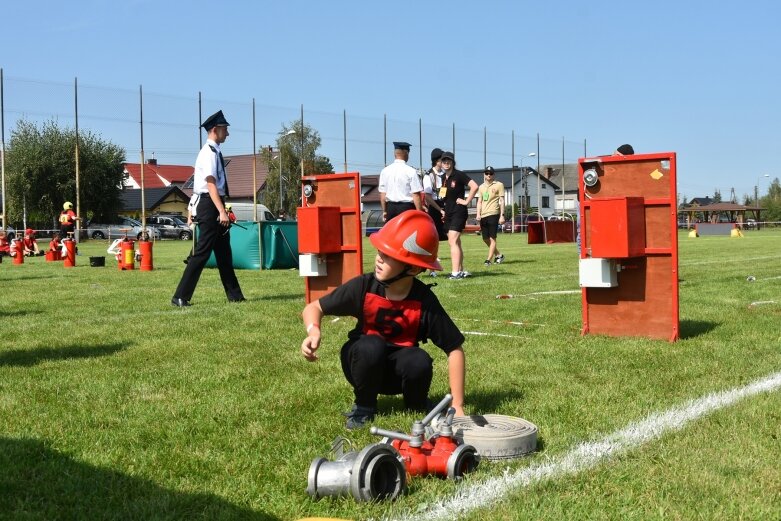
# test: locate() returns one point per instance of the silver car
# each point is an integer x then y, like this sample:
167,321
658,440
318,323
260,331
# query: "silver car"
125,226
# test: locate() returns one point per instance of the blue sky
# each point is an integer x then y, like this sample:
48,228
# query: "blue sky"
697,78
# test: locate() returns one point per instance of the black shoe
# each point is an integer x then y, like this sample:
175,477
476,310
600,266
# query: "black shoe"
179,302
359,417
240,299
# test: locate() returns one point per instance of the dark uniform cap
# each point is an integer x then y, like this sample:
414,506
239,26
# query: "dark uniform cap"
626,150
489,170
448,155
436,154
215,120
401,145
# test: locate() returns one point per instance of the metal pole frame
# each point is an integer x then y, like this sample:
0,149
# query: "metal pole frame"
254,168
76,158
141,126
2,145
539,194
281,199
302,142
512,186
344,127
420,145
485,147
385,138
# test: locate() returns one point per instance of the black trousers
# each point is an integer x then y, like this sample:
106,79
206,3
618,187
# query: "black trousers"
395,209
374,367
212,237
436,215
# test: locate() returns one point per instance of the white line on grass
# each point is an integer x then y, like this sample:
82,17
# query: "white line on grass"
480,333
510,322
561,292
590,454
724,261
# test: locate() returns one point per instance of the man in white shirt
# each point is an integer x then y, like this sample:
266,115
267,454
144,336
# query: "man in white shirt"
399,186
210,183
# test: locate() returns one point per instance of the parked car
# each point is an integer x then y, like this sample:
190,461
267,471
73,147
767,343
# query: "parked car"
170,226
123,226
10,233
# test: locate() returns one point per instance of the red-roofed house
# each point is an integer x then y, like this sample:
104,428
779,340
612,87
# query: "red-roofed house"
239,169
156,176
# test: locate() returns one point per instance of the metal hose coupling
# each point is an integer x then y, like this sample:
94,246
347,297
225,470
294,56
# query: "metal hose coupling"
373,474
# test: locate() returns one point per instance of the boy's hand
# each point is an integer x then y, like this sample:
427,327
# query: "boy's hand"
310,345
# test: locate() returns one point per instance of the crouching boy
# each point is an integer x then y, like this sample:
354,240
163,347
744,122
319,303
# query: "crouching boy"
395,312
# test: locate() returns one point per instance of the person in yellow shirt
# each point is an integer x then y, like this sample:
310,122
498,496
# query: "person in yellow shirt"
490,213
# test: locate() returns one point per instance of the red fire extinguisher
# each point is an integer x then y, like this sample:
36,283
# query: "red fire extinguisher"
70,253
18,246
145,247
127,255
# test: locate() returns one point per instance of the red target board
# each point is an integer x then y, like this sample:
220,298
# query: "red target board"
329,231
629,246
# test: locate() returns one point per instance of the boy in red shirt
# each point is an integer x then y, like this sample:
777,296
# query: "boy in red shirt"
5,246
395,312
30,244
55,245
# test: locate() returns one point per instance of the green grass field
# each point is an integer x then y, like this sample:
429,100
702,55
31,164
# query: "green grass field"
116,405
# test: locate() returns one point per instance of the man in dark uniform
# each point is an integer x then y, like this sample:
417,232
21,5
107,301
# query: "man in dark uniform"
211,184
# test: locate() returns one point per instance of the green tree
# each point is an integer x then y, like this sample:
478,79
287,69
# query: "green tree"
291,148
717,196
41,169
772,202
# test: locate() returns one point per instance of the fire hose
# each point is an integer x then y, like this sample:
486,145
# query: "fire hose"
496,436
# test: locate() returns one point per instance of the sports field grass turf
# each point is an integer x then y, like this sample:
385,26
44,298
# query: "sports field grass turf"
115,405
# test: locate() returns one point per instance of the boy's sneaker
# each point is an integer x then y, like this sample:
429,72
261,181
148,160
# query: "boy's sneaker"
359,416
487,263
499,259
465,274
456,276
433,274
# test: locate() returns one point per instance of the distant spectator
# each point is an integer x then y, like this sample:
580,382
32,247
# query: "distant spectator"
456,211
68,220
490,213
434,193
5,246
55,245
231,215
30,245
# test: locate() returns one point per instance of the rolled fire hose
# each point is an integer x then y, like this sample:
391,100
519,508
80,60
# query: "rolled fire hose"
496,436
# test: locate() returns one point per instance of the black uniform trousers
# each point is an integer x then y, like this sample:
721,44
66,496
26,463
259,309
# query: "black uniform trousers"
393,209
436,215
212,237
374,367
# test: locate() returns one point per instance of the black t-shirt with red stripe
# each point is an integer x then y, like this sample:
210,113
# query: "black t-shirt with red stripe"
418,318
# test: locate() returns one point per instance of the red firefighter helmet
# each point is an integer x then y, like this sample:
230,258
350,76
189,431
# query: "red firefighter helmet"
410,237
